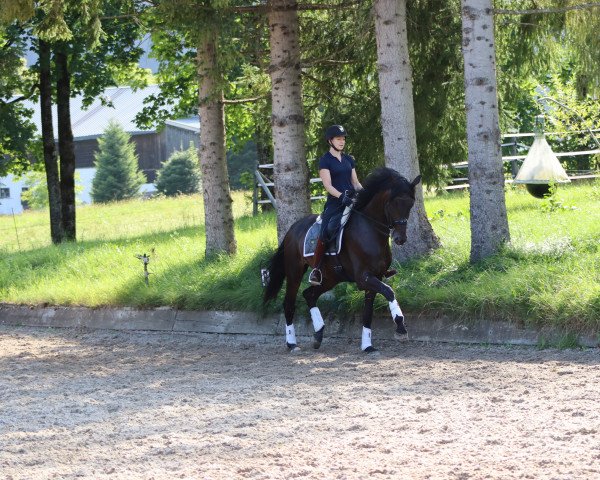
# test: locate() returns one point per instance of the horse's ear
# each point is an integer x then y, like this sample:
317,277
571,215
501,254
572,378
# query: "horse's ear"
416,181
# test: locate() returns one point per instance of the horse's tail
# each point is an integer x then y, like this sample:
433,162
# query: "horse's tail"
276,275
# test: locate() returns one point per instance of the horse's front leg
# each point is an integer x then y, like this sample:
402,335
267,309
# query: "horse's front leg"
370,282
366,345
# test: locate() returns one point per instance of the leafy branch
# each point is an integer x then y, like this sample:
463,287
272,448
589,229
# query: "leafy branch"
539,11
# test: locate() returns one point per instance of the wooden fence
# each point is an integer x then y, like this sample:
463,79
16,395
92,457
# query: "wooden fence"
513,146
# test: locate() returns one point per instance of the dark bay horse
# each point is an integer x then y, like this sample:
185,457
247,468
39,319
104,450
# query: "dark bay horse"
381,210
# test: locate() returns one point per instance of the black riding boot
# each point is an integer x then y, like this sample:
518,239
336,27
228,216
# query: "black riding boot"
316,277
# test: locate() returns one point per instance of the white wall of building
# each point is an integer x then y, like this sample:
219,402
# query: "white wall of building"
83,179
13,202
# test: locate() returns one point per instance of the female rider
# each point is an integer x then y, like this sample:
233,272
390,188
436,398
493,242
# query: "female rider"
337,172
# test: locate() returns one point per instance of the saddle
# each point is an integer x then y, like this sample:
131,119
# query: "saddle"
334,234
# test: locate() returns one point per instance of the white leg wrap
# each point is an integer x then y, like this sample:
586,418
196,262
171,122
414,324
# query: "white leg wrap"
395,309
290,334
317,319
366,338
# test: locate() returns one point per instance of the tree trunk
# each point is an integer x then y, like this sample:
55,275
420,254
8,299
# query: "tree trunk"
218,213
287,120
50,158
66,148
489,223
398,118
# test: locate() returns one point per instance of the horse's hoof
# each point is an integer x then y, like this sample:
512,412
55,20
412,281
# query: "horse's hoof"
293,348
318,338
400,328
403,337
371,351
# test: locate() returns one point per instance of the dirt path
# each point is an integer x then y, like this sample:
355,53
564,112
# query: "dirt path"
112,405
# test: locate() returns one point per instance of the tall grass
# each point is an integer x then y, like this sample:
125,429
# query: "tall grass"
549,274
114,221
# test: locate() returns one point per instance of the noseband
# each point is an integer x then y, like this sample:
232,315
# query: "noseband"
397,223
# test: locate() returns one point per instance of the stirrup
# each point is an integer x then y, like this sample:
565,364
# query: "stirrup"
316,277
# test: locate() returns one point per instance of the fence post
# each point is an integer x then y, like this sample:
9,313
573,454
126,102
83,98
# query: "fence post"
255,197
263,184
514,169
16,231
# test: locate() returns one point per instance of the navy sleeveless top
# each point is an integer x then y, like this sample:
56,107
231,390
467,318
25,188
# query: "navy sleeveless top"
340,171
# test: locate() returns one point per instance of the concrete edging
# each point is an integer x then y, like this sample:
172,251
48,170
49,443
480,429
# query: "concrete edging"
166,319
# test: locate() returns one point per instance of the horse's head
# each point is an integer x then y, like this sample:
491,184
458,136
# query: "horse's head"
388,197
397,209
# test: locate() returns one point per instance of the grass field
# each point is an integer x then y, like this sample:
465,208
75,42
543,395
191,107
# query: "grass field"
549,274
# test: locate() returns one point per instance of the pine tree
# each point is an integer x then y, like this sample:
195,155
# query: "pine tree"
117,173
180,173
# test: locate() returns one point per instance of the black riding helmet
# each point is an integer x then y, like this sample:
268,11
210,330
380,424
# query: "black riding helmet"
332,132
335,131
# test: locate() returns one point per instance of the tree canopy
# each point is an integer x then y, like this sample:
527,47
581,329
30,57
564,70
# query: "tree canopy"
16,83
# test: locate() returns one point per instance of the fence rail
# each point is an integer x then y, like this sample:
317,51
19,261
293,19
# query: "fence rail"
264,184
510,158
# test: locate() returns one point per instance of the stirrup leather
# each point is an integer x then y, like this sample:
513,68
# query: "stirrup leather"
315,277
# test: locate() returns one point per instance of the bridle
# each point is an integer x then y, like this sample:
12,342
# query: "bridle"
384,229
396,223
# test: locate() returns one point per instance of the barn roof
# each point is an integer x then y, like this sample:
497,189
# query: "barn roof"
189,123
88,123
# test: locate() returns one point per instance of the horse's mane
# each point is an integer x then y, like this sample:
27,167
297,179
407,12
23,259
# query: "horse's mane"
379,180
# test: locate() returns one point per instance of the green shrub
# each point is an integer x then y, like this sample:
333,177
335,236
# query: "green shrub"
180,173
36,195
117,173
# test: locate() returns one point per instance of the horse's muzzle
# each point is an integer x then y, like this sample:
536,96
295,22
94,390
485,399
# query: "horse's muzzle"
398,238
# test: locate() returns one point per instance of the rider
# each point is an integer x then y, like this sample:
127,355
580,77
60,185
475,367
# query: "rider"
337,172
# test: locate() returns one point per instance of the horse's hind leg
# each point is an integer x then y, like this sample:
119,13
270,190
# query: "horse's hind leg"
289,308
366,345
311,295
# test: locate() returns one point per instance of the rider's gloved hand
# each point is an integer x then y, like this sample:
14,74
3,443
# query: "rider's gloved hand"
347,199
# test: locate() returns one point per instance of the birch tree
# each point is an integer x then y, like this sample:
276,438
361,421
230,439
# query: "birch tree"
218,212
287,121
489,223
398,118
